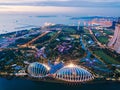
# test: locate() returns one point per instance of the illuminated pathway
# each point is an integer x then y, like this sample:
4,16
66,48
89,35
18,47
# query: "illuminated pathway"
33,40
102,46
51,38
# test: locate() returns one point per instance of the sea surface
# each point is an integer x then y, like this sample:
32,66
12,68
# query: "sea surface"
16,22
22,84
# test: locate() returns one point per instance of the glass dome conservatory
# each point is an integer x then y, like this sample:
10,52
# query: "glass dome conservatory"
73,73
38,70
69,73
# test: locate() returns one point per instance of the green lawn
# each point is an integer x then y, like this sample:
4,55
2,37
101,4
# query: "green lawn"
69,30
86,31
51,34
103,39
108,32
106,58
95,31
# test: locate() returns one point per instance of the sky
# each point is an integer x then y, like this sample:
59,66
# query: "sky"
90,7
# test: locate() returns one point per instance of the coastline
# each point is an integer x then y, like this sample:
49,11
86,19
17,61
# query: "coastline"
21,83
52,80
13,32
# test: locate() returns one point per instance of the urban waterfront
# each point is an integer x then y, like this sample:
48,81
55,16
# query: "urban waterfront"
73,62
22,84
59,45
16,22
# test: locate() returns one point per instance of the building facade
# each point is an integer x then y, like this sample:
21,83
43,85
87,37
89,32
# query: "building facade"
115,41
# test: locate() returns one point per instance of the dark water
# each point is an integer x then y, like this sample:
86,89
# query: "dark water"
22,84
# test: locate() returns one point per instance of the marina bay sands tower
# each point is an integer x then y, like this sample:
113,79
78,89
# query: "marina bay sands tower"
115,41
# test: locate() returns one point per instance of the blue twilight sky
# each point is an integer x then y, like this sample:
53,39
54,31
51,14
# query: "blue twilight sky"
89,7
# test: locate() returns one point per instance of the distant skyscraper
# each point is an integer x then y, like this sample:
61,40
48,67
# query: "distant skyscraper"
78,28
84,23
115,41
119,20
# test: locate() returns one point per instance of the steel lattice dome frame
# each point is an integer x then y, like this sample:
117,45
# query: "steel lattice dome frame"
74,74
37,70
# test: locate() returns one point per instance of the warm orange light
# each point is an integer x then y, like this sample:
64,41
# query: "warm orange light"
71,65
48,68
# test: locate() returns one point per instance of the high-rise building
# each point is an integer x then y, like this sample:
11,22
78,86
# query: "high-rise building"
115,41
78,28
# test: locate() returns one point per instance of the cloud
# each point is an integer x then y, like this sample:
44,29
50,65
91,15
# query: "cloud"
14,1
100,0
86,7
66,3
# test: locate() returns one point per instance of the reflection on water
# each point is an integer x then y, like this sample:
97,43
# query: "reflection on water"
22,84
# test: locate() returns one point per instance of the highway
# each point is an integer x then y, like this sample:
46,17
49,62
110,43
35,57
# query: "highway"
51,38
5,43
33,40
95,39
